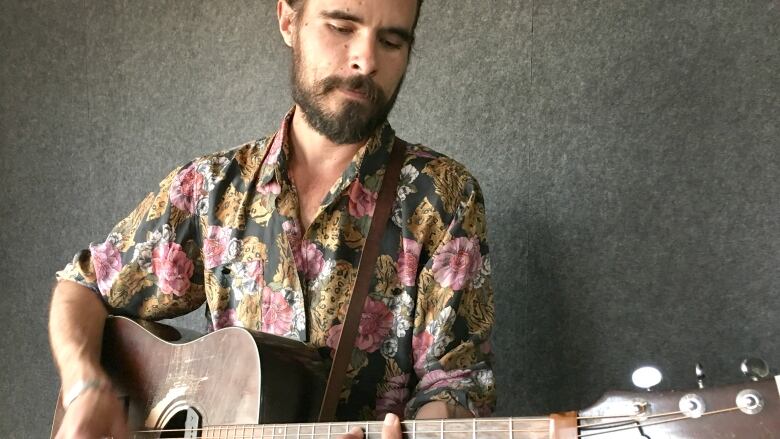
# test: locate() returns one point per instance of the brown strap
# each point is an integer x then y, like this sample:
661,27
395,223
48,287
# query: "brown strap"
384,204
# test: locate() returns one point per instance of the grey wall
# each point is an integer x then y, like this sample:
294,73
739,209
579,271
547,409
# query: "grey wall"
628,152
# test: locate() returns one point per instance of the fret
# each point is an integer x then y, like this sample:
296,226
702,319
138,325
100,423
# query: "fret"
307,431
461,428
496,428
330,430
432,429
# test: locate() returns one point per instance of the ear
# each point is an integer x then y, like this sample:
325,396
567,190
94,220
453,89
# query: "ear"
286,16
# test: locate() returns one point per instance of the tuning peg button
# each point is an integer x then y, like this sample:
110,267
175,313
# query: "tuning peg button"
692,405
754,368
750,401
700,375
646,377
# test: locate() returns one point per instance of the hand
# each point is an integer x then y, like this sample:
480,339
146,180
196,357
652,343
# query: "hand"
95,414
391,429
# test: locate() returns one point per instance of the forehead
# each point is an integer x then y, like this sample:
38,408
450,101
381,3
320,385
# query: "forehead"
374,13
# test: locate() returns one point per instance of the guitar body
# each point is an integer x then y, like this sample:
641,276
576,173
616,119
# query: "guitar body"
231,376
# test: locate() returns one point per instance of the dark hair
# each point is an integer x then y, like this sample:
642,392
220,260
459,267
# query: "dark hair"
296,4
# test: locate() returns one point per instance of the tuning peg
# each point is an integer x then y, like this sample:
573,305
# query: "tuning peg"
754,368
646,377
700,375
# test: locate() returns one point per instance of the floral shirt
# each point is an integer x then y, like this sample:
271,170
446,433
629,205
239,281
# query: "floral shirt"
224,229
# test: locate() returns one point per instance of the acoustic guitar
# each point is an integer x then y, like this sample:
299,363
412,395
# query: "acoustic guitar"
178,385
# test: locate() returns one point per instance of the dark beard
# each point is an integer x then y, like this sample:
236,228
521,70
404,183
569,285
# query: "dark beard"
355,121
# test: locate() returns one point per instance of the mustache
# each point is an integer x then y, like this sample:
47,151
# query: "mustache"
360,83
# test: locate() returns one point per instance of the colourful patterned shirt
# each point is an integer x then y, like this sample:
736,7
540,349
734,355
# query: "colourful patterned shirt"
224,229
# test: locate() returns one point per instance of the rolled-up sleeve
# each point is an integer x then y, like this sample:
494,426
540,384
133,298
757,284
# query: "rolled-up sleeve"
454,314
150,265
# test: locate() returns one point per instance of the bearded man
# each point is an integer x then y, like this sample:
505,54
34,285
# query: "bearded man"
268,234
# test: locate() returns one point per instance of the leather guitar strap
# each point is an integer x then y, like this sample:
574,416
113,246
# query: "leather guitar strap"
343,355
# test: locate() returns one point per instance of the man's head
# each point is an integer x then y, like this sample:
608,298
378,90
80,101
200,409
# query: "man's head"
349,60
297,6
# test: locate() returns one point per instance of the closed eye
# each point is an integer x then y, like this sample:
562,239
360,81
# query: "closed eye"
390,44
339,29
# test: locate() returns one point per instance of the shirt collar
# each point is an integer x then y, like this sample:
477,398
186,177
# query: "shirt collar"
368,160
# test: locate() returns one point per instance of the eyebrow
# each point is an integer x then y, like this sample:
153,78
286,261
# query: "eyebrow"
400,32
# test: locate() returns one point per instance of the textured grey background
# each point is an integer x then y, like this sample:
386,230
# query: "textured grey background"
628,152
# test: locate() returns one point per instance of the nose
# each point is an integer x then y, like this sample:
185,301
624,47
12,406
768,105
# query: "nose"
362,58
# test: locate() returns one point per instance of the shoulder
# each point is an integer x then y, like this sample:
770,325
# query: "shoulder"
214,165
245,153
188,185
439,199
422,156
437,178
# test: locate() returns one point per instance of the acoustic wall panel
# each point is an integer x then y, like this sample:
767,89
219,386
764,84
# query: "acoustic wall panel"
627,152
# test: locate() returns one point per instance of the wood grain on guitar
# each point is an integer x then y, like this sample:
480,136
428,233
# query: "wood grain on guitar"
176,385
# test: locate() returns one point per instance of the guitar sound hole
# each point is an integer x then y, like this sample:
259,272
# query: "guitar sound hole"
184,424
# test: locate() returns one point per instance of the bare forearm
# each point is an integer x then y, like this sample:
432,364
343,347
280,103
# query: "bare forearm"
76,323
442,410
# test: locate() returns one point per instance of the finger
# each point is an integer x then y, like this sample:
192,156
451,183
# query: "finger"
391,428
119,428
354,433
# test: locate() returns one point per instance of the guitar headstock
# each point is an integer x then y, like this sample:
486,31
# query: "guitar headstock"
749,410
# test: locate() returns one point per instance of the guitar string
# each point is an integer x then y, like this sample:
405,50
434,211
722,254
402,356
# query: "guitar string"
414,423
622,419
619,426
260,429
648,424
446,421
356,424
259,433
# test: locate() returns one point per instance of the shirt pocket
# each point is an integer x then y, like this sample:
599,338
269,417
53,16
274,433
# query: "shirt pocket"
234,291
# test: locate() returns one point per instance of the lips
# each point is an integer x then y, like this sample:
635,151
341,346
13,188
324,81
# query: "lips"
356,93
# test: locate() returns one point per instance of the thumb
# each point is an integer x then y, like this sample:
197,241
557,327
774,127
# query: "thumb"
391,427
119,428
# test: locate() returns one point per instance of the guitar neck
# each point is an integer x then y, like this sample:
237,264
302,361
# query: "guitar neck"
482,428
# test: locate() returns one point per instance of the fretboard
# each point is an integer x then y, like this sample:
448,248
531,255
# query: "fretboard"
482,428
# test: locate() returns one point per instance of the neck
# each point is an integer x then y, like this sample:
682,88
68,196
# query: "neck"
312,151
484,428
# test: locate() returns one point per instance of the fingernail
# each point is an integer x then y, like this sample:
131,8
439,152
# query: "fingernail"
390,419
357,431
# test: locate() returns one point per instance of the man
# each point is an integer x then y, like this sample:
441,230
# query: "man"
269,235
